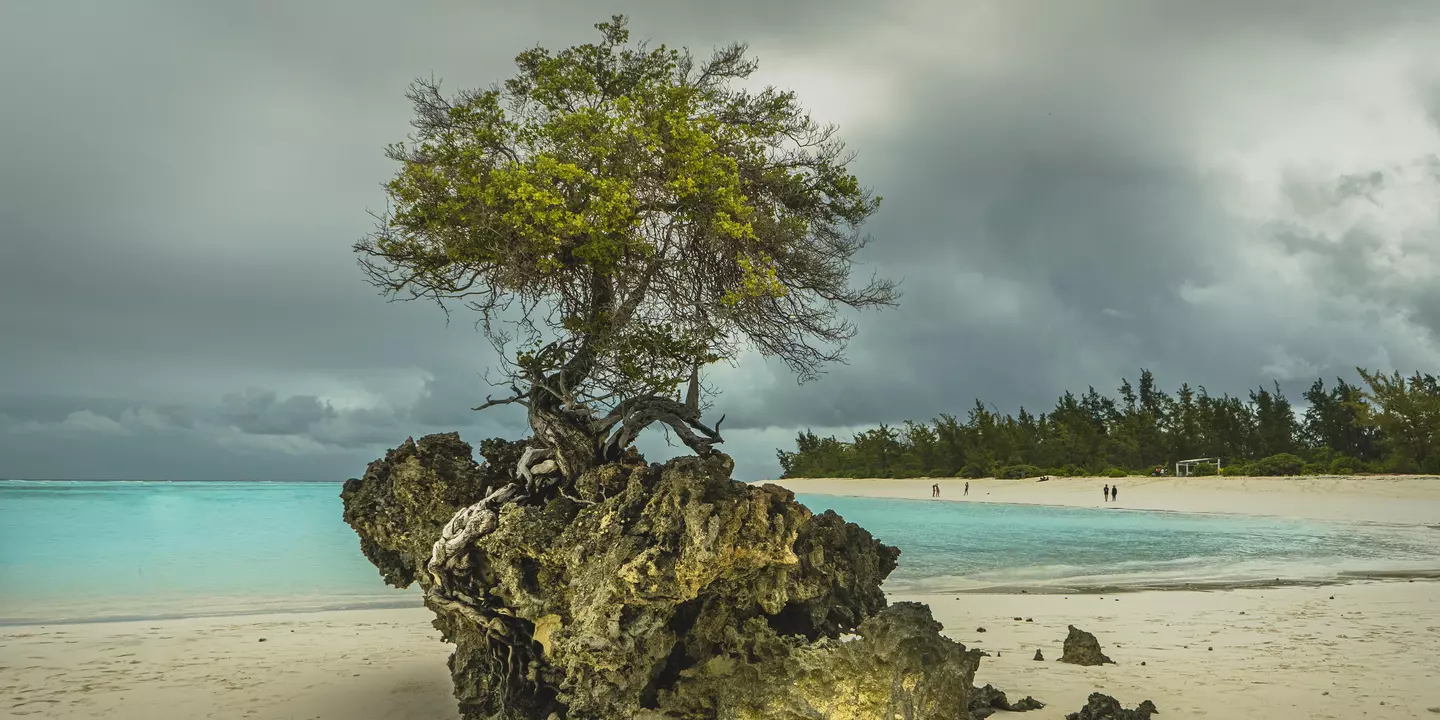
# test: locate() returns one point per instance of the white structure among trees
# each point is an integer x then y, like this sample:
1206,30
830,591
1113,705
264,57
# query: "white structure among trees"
1185,468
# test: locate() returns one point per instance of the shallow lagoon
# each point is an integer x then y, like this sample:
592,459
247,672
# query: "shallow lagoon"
89,550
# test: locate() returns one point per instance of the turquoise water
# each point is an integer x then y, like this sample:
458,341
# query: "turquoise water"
142,549
960,547
123,549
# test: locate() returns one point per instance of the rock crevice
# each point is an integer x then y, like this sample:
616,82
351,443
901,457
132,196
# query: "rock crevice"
651,591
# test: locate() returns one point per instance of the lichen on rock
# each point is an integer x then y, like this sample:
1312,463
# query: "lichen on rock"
650,591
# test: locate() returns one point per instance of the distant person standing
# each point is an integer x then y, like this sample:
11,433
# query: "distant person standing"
935,490
967,489
1107,492
1115,493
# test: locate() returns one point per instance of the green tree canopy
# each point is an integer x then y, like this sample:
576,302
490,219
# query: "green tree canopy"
1389,423
619,217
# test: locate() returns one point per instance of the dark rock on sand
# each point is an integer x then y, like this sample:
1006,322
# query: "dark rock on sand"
1081,648
649,592
1103,707
1039,657
985,701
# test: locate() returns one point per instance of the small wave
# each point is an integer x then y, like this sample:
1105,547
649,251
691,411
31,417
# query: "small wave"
1179,574
196,608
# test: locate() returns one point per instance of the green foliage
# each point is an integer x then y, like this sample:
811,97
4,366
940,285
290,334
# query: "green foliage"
623,214
1279,464
1015,472
978,468
1390,424
1406,412
1344,465
1116,473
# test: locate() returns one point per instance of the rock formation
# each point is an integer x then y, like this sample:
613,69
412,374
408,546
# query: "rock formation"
1081,648
986,701
650,591
1103,707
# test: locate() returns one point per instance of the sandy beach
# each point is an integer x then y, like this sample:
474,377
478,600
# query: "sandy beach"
352,664
1364,649
1288,652
1409,500
1277,653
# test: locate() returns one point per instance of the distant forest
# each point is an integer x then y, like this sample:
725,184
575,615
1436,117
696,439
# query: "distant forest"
1386,424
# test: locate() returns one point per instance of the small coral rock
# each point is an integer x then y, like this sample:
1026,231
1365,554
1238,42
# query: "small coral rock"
1081,648
1103,707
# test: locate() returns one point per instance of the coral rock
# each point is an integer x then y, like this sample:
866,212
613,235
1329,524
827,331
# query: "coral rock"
1103,707
650,592
985,701
1081,648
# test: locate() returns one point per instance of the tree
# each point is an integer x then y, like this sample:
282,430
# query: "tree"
1332,420
620,217
1275,424
1185,438
1407,410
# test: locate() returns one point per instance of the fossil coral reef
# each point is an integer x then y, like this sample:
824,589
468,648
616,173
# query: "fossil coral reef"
651,591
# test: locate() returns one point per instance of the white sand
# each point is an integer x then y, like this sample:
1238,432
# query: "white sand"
1391,499
347,665
1374,643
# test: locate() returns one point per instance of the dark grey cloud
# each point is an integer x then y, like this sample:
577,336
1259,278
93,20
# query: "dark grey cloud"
1223,192
261,412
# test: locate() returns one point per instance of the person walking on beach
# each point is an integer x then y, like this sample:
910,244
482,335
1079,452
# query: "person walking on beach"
1115,493
935,490
1107,492
967,489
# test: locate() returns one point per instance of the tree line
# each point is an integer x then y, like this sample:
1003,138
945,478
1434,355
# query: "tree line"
1387,423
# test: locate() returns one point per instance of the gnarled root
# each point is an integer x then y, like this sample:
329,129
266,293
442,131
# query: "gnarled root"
633,416
497,663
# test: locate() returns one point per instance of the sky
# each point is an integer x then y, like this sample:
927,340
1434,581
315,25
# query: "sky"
1227,193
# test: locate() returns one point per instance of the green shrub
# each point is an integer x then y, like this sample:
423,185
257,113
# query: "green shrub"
1237,470
1282,464
1344,465
1015,472
1116,473
1315,468
978,469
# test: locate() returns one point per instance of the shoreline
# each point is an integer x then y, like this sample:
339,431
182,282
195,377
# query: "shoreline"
218,614
300,613
1383,500
1343,579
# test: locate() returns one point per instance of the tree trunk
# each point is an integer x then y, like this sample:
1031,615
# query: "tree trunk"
574,443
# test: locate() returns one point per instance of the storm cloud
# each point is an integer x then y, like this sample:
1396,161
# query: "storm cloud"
1223,192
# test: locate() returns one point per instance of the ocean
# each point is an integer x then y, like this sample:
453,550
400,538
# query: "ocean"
92,550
